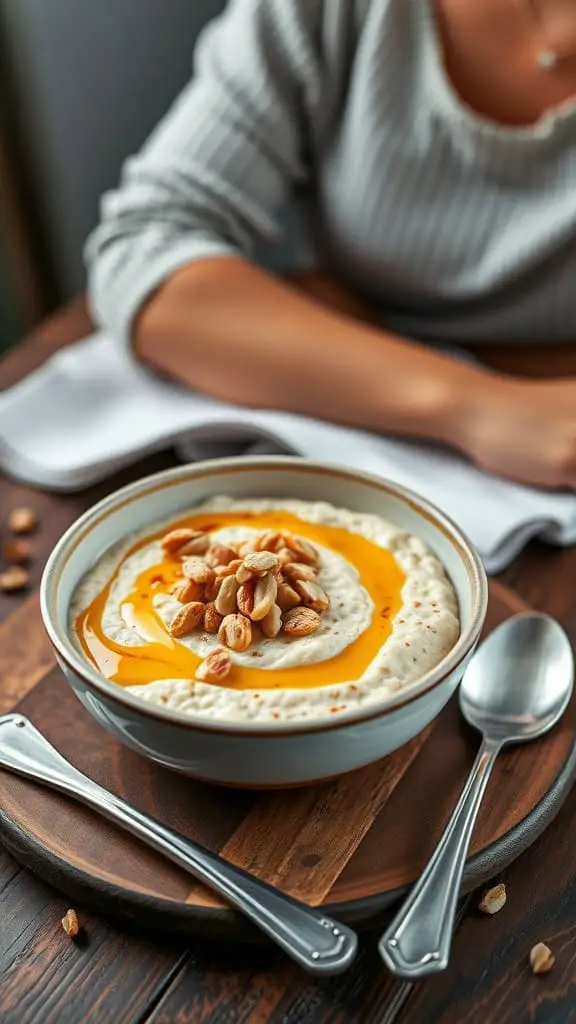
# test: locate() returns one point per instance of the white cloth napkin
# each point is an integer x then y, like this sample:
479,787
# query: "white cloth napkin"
91,410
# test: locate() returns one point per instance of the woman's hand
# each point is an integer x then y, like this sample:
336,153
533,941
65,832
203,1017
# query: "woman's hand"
525,430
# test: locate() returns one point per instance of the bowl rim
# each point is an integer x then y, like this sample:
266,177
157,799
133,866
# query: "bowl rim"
136,491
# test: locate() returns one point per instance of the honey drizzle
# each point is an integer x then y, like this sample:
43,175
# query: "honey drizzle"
162,657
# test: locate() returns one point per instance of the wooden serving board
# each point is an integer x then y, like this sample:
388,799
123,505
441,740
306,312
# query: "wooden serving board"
352,845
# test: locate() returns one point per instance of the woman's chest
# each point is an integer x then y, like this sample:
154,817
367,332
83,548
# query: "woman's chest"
449,252
510,61
409,205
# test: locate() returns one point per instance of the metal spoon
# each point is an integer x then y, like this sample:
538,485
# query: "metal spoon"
319,944
515,689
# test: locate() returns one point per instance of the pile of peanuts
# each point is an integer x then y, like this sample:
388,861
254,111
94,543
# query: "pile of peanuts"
17,551
269,582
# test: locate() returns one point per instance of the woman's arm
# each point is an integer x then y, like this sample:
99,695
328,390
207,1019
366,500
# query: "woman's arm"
227,328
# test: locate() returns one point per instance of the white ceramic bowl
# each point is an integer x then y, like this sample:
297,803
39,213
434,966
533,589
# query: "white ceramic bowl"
261,754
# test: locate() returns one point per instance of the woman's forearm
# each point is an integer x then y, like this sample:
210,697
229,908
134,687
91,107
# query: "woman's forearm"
227,328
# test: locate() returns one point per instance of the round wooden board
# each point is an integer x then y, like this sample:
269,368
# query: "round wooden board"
352,845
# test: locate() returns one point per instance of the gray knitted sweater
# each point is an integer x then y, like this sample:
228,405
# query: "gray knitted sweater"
457,228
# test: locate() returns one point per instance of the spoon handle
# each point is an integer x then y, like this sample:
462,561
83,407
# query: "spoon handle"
418,941
319,944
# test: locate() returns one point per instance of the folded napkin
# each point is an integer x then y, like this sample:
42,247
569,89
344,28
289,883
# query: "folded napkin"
92,409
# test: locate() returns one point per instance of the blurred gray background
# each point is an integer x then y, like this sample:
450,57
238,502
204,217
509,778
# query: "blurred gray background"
90,79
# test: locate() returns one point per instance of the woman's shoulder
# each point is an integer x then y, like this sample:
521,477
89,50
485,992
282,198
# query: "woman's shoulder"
323,19
307,37
329,28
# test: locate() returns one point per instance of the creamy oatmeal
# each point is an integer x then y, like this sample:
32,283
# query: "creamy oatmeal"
266,610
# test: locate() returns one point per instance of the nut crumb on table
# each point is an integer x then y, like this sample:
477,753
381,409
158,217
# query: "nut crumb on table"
14,578
493,900
70,923
17,551
541,958
22,520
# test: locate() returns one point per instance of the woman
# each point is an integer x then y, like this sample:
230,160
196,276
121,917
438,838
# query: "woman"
434,143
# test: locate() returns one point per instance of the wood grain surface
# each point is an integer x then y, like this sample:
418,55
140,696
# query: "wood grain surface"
119,974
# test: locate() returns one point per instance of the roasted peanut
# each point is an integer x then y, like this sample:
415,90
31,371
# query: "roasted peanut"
215,668
493,900
542,958
228,570
300,622
299,571
195,546
287,597
212,618
186,619
186,591
226,599
211,590
22,520
198,570
247,547
313,596
17,552
303,549
235,632
264,597
179,542
285,556
14,578
271,624
220,554
245,598
70,923
258,564
269,541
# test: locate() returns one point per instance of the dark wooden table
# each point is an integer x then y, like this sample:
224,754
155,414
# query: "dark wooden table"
123,977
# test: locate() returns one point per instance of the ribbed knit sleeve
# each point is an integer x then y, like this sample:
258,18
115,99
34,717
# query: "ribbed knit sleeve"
212,177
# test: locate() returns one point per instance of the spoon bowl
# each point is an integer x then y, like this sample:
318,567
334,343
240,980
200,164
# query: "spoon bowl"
520,681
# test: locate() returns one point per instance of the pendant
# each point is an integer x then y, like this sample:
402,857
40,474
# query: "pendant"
547,60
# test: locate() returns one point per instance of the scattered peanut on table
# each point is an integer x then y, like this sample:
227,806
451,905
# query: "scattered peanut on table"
493,900
70,923
15,577
16,552
22,520
541,958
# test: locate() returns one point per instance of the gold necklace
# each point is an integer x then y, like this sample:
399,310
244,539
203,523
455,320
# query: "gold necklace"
547,57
